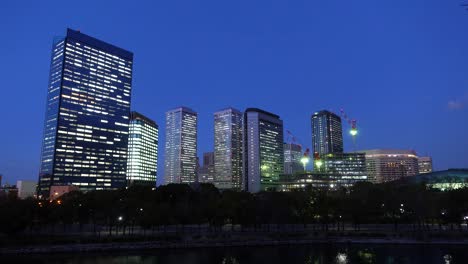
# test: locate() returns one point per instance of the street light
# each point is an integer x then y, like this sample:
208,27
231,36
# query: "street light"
318,164
304,161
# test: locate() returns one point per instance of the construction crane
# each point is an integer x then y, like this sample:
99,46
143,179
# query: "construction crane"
291,139
352,122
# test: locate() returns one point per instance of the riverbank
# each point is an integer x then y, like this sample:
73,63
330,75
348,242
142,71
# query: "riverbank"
154,245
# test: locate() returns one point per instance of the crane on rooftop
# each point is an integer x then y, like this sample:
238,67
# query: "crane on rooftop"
353,124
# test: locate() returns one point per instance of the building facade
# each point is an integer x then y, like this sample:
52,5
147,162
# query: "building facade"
228,148
142,162
26,189
327,134
292,158
384,165
263,149
180,164
87,114
206,173
348,168
425,165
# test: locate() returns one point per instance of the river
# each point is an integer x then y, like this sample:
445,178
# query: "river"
303,254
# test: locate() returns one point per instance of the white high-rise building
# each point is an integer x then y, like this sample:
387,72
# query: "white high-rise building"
292,158
142,158
180,162
228,148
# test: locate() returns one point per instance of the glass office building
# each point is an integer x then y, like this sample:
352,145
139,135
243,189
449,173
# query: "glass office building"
142,164
87,114
348,168
263,150
180,155
292,158
228,148
327,135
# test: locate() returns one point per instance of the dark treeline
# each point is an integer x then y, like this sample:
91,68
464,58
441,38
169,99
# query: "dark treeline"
181,205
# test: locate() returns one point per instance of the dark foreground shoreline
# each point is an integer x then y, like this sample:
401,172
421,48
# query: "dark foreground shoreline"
151,245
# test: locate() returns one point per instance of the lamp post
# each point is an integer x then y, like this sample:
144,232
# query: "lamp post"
304,161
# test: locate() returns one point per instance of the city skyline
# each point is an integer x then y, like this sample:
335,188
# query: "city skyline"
387,100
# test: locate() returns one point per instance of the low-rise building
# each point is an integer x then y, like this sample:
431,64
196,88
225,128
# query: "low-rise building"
425,165
384,165
58,190
26,189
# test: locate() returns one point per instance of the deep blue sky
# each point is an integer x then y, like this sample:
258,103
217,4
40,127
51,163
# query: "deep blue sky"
399,67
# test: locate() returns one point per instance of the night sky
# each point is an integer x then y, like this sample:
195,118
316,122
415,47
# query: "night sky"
399,67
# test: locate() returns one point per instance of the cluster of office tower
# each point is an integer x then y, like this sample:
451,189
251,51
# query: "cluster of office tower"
92,139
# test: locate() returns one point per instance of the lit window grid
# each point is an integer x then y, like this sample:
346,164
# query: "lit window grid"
180,159
228,148
92,126
142,153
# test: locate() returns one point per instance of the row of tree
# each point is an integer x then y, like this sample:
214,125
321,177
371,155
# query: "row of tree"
179,204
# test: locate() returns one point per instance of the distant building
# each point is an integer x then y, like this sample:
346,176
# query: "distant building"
58,190
180,162
142,162
292,158
228,148
425,165
446,180
315,180
85,136
206,173
384,165
8,192
263,149
327,134
350,167
26,189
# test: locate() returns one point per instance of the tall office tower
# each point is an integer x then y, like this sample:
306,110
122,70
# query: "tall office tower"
425,165
384,165
180,162
292,158
142,162
263,150
206,172
327,136
86,122
228,147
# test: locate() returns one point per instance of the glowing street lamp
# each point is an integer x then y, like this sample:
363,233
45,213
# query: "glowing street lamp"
304,161
318,164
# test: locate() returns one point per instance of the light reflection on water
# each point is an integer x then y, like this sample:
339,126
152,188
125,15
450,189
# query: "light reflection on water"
302,254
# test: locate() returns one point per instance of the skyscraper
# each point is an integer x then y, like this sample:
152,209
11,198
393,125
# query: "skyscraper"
180,162
292,158
263,149
86,121
228,148
142,164
327,135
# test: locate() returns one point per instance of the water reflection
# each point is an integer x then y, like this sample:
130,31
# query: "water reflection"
230,260
448,259
305,254
341,258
